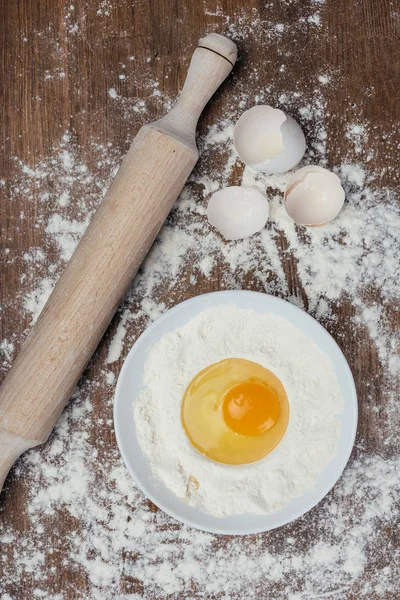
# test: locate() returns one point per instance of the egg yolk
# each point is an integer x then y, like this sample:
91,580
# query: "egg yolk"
251,408
235,411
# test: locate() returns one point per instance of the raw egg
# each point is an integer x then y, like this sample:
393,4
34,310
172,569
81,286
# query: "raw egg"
268,140
235,411
238,212
314,196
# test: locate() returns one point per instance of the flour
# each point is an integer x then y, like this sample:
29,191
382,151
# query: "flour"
89,512
309,442
325,554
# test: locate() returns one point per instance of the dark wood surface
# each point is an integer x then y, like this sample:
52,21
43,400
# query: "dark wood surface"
54,80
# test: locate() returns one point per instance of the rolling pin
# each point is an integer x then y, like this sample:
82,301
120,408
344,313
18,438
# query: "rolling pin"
82,304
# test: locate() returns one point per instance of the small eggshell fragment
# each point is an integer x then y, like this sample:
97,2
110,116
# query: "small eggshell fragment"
313,196
238,212
268,140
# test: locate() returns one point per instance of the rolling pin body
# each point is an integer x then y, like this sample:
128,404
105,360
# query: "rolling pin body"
109,255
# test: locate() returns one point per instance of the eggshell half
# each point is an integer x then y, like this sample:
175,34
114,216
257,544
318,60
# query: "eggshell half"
238,212
313,196
268,140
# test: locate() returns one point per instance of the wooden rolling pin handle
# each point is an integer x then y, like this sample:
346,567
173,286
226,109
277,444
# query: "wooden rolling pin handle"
102,267
211,63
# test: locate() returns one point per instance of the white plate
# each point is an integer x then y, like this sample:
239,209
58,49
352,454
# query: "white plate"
130,382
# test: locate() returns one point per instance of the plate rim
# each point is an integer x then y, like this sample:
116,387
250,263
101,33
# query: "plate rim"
120,438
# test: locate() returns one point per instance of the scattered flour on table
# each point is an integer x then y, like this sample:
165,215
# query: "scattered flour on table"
79,504
307,446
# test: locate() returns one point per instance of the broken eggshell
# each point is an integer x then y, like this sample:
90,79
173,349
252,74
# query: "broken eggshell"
313,196
238,212
267,140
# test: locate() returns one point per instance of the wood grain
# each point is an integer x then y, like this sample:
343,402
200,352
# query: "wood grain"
53,82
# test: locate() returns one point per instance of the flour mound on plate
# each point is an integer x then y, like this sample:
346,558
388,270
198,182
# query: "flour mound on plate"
314,425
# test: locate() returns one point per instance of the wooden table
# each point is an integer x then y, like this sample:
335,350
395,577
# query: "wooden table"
77,81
